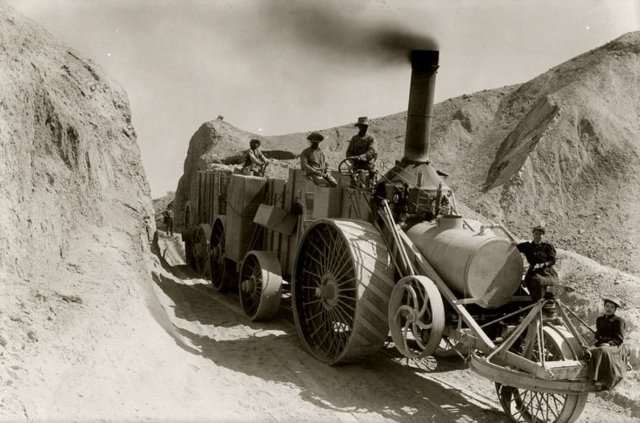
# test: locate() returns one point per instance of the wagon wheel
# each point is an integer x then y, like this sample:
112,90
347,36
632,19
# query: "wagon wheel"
200,249
523,405
260,285
187,237
342,281
221,269
416,316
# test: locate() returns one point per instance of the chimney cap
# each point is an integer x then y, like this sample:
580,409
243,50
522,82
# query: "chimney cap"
424,57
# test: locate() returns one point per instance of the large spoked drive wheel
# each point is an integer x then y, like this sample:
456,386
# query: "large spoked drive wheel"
341,286
416,316
200,249
221,269
527,406
260,285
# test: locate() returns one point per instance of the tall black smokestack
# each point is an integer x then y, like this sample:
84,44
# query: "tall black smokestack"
424,65
414,168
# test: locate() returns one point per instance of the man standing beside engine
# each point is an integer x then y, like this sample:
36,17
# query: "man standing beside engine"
541,257
362,149
313,163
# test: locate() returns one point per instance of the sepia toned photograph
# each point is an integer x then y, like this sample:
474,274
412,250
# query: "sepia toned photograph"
320,211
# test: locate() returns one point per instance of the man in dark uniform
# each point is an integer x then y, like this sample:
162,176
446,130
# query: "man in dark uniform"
313,163
541,257
362,149
608,360
254,161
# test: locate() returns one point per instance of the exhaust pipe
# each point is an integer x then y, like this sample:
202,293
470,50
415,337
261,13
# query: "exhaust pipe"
414,168
424,65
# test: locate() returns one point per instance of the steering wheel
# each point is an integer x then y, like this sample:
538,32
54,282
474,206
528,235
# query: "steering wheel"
346,167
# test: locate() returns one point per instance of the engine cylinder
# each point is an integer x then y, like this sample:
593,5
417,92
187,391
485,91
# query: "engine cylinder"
475,263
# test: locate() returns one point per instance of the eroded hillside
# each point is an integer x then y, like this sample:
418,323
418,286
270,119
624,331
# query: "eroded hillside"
75,212
562,148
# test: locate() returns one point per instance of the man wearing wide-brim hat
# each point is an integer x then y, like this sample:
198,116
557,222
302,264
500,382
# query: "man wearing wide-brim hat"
362,149
314,164
541,257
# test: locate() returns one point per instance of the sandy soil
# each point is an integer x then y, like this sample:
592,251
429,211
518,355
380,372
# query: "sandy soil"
91,351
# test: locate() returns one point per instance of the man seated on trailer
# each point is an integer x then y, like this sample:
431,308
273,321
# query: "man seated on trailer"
313,163
254,161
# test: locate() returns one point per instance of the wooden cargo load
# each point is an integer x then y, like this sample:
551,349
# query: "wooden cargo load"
245,194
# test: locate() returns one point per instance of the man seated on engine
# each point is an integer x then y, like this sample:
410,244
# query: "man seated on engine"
541,257
362,149
313,163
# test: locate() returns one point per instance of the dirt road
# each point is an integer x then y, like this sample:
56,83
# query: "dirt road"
266,365
264,369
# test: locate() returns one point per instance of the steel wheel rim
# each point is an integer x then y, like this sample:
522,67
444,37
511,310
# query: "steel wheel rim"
326,290
216,256
251,285
523,405
201,252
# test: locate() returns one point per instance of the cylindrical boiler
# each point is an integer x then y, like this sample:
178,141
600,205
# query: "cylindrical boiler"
475,263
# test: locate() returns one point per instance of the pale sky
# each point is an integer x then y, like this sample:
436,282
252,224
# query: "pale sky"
274,67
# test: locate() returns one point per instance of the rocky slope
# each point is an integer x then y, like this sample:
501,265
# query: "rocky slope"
562,148
75,211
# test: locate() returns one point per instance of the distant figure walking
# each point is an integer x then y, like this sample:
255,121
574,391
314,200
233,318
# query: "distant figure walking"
254,161
313,163
168,219
541,257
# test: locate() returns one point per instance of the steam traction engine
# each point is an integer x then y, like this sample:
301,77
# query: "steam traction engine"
358,263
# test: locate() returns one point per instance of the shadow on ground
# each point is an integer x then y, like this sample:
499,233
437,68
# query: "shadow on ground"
272,351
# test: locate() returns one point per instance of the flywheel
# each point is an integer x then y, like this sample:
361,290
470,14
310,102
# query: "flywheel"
342,282
416,316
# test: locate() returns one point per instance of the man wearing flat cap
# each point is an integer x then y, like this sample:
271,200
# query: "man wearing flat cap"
362,149
541,257
313,163
254,161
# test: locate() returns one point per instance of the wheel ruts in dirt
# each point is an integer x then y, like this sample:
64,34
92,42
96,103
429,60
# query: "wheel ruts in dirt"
416,316
200,249
260,286
523,405
222,269
342,282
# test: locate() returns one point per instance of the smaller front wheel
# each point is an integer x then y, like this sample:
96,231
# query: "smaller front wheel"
260,285
416,316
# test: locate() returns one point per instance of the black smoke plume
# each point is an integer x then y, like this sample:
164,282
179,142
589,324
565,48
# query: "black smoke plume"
341,32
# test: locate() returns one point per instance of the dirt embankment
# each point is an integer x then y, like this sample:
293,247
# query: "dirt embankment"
75,213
